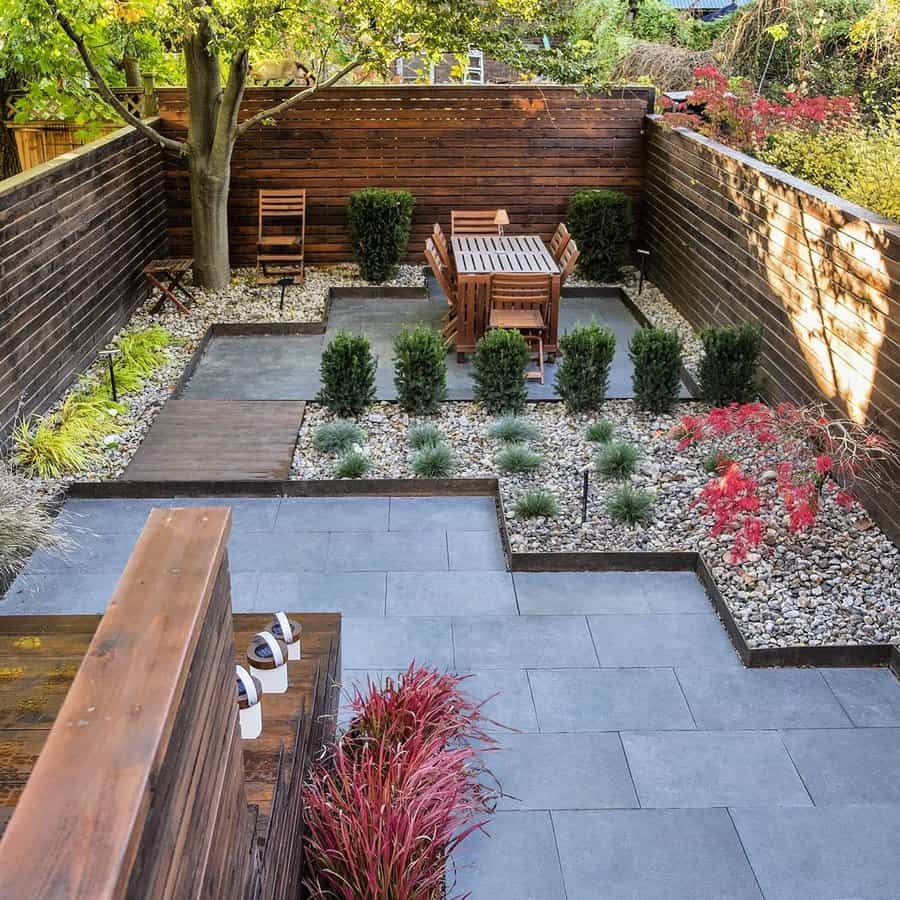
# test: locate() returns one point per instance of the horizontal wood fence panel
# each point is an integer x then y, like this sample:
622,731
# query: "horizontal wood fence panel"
732,240
522,148
75,234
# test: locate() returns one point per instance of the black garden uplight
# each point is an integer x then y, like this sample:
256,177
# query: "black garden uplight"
284,282
643,254
110,355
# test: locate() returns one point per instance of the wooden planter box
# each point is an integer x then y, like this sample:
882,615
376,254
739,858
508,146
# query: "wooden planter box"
38,142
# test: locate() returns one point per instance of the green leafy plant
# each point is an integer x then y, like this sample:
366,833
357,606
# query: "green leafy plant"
535,504
348,374
730,363
433,462
353,464
583,375
337,437
513,430
630,505
656,356
617,460
43,448
600,222
600,432
141,353
498,371
518,459
420,369
421,436
379,220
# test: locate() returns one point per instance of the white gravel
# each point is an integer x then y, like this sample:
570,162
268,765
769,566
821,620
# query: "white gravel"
835,584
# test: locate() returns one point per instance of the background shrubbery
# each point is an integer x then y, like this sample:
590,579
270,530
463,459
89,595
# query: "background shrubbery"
600,222
379,220
730,363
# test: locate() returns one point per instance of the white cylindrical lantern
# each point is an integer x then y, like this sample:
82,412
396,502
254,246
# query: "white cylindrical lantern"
268,662
288,632
249,697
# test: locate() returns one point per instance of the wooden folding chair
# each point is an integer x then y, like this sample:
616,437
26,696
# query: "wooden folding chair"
522,303
443,249
281,236
473,221
442,274
567,260
560,239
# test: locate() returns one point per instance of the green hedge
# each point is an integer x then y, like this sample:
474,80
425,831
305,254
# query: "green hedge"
583,375
498,370
348,374
729,367
656,356
379,221
600,223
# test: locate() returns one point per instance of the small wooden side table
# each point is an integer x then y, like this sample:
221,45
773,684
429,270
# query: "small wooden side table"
166,274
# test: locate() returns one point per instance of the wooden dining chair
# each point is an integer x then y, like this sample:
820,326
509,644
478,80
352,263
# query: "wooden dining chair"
567,260
442,274
560,239
522,303
443,249
473,221
281,235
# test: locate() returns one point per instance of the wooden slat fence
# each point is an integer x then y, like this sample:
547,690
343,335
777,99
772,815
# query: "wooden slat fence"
74,236
520,147
733,239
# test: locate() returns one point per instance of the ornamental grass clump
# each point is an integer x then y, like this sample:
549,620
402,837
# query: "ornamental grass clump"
348,374
400,792
600,432
337,437
630,505
426,435
498,370
617,461
420,369
655,354
535,505
583,375
513,430
730,363
435,461
353,464
379,220
518,459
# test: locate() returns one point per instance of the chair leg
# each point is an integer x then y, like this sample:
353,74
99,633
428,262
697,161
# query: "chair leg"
541,357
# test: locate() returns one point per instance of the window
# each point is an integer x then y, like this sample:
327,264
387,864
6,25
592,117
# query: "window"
474,68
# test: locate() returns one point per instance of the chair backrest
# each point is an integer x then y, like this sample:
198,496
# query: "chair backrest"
558,242
567,260
280,206
473,221
443,249
441,272
520,291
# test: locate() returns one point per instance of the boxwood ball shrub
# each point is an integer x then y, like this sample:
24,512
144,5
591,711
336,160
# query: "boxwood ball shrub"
730,363
600,223
348,374
617,460
656,356
379,220
498,370
420,369
630,505
435,461
535,504
337,437
582,376
420,436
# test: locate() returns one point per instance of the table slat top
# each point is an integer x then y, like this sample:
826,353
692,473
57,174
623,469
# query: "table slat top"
524,254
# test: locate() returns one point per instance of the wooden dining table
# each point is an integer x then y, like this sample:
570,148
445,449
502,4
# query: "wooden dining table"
480,256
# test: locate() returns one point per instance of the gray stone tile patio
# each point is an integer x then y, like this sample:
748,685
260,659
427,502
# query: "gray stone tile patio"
286,367
645,761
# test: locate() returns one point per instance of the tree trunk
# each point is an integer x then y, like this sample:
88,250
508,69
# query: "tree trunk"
132,67
9,153
209,221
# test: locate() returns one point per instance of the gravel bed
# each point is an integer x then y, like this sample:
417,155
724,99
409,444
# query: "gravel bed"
835,584
242,301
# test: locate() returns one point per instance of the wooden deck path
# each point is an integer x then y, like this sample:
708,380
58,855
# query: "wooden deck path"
219,440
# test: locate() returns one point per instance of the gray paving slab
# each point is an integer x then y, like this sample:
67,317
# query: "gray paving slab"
823,853
393,643
347,593
59,593
871,697
712,768
674,592
857,765
608,700
652,854
272,553
450,594
244,588
107,516
506,695
91,554
515,860
443,514
510,642
549,593
662,640
562,771
390,551
476,550
761,698
333,514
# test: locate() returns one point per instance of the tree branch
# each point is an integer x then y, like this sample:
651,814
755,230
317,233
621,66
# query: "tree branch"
274,111
104,90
